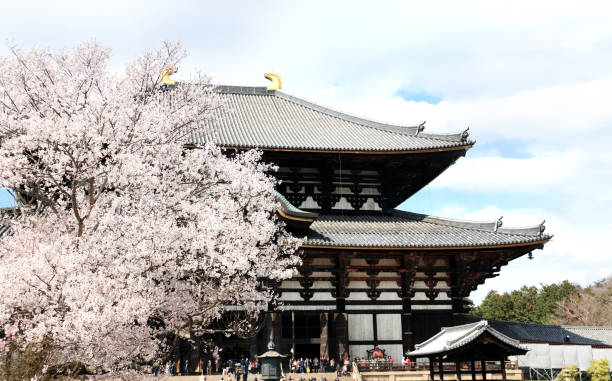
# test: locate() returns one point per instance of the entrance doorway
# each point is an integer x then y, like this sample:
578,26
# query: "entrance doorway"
309,351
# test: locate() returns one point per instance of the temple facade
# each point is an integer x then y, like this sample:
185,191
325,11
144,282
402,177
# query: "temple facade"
371,274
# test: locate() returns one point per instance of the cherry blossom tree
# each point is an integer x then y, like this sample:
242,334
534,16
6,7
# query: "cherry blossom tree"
122,234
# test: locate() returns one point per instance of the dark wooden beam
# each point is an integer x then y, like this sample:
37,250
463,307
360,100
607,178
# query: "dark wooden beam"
458,370
483,369
431,368
473,369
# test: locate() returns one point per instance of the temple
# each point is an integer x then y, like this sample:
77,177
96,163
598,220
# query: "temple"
372,275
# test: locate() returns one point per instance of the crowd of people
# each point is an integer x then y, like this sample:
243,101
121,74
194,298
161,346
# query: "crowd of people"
316,365
242,368
382,363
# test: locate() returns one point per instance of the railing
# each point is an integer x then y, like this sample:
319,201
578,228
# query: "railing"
380,365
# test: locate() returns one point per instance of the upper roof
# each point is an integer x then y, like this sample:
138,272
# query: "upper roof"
254,117
552,334
411,230
450,338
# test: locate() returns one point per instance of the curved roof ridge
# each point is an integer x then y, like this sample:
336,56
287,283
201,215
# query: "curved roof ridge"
494,225
467,224
449,329
527,230
291,209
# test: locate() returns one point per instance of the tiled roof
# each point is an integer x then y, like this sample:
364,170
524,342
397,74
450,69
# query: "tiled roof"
254,117
552,334
450,338
412,230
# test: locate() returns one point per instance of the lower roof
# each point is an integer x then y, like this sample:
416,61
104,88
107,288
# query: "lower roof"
416,231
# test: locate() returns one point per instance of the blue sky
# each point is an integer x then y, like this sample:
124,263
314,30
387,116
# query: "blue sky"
532,80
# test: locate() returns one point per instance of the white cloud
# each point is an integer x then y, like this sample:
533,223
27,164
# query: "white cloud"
553,114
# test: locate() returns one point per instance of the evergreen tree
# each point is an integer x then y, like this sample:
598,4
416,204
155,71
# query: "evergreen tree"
527,304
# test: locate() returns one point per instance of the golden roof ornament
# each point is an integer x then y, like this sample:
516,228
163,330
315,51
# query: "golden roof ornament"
164,76
277,81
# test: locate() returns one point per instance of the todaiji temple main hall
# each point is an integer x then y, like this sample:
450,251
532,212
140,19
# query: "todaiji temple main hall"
371,274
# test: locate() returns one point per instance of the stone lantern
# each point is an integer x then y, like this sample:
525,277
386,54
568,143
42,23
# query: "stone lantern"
271,364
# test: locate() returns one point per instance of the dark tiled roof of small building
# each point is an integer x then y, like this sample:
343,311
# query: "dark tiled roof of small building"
411,230
254,117
548,333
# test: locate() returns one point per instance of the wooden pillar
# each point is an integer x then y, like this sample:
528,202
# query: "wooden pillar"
341,282
483,369
473,368
441,368
324,347
293,334
503,369
408,265
340,317
456,301
458,370
431,368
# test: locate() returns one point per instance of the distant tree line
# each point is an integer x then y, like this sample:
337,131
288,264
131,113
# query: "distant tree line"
557,303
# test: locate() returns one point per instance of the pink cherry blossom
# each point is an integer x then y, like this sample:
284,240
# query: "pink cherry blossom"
118,222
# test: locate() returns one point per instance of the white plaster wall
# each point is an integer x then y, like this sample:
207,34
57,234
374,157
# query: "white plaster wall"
358,284
388,296
357,296
322,296
322,284
360,327
370,204
322,261
309,203
290,284
389,326
432,307
421,296
291,296
373,307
